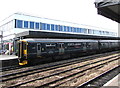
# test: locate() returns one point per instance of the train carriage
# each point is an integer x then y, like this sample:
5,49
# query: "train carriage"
32,50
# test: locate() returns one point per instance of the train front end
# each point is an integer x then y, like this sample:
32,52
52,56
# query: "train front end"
22,52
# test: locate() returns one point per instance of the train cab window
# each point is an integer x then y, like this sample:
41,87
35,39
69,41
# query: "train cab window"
52,27
48,26
37,26
31,25
19,23
25,24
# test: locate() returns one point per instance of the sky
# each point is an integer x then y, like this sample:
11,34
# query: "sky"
75,11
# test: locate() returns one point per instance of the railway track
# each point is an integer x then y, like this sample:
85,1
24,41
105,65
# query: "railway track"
10,68
3,69
57,74
51,66
100,80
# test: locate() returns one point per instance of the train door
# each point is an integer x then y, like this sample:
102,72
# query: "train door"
61,48
38,49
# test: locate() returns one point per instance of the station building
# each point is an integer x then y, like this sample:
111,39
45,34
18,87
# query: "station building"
19,22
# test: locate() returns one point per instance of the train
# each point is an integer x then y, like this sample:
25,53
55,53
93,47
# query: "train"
30,50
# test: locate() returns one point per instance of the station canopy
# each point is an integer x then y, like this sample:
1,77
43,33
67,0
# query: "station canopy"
109,9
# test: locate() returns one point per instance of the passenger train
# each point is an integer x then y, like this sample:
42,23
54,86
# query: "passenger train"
30,50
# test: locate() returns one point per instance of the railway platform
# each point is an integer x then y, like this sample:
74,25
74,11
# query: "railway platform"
8,60
114,83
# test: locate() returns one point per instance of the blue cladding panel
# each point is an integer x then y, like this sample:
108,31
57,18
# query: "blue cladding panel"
37,26
32,25
25,24
19,23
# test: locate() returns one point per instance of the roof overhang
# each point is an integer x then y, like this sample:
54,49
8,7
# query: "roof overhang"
109,9
42,34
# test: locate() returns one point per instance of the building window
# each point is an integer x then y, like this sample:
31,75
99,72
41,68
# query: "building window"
61,28
37,26
74,29
25,24
70,29
31,25
43,26
83,30
52,27
19,23
90,31
78,30
56,27
65,28
48,26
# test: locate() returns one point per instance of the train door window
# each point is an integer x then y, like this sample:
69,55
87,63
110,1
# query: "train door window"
31,25
61,48
38,49
37,26
25,24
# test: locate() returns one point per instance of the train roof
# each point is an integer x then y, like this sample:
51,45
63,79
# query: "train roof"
57,40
